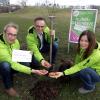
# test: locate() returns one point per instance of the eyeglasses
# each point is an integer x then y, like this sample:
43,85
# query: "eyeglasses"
11,34
39,26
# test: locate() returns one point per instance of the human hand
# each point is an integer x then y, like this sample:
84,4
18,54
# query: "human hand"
45,64
52,33
55,74
40,72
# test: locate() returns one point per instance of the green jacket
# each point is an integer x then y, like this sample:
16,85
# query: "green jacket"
6,55
93,61
33,42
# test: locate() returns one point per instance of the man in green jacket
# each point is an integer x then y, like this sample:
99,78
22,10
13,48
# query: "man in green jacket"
38,41
8,42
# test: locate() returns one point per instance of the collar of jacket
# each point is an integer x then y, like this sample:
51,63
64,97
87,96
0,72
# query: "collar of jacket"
98,45
3,39
31,29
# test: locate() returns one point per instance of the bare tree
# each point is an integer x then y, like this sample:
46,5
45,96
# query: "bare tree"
23,3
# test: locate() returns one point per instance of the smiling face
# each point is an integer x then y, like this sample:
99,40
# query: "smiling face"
87,41
11,34
84,43
39,26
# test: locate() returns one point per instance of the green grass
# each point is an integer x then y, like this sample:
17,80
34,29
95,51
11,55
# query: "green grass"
24,18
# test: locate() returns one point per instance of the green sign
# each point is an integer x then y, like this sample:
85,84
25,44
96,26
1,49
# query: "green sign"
81,20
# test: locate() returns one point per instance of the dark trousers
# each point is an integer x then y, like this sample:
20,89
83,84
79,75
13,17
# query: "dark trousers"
6,73
46,49
89,78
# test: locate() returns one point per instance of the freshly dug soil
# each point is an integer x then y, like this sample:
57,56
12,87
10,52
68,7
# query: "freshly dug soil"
50,89
46,90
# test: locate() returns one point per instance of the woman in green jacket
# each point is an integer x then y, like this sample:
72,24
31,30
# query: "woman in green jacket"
87,63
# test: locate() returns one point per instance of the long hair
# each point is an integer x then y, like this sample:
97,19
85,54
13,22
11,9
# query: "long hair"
92,43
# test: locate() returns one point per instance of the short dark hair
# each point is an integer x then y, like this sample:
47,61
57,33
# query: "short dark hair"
39,18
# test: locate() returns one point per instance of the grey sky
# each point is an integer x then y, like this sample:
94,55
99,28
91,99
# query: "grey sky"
61,2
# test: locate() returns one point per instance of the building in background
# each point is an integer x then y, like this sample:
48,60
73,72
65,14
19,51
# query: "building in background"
6,7
4,2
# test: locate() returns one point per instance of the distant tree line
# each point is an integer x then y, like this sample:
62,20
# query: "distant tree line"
11,8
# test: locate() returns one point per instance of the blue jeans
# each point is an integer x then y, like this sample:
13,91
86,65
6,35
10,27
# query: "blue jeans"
89,78
6,73
46,49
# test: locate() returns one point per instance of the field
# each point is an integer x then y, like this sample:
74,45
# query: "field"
22,82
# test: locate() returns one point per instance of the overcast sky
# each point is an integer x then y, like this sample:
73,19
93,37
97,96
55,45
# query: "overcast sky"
60,2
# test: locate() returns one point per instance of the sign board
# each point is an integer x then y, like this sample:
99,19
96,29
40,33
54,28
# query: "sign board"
81,19
21,56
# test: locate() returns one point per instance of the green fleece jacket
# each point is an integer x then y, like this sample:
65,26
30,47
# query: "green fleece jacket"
93,61
33,42
6,55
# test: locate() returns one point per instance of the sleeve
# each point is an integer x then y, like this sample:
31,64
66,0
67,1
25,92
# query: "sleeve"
33,47
77,59
88,62
5,56
47,31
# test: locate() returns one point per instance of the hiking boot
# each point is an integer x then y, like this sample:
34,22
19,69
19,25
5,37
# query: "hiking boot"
84,91
12,92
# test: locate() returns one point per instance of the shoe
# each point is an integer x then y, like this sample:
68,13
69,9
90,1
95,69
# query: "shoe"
84,91
12,92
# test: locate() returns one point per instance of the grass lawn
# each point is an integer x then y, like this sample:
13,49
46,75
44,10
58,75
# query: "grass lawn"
22,82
